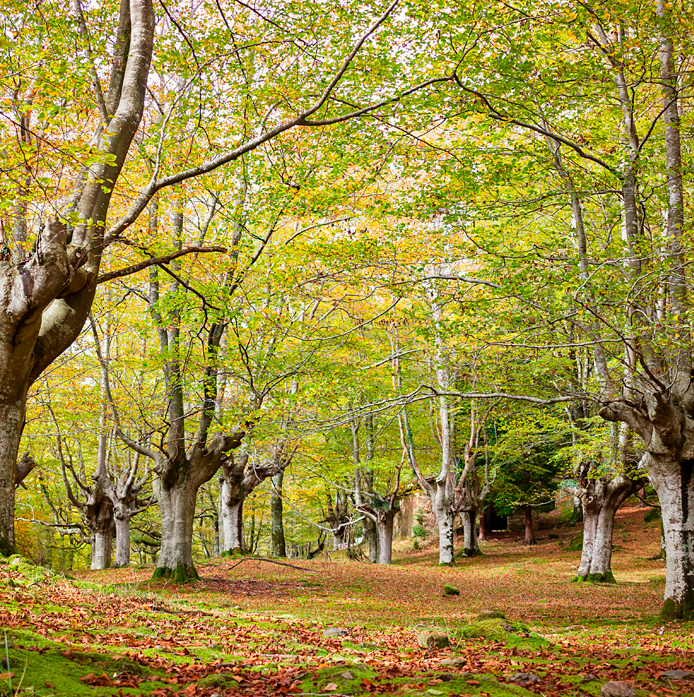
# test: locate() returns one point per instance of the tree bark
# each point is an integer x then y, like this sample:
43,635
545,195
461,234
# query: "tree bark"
384,527
601,499
122,541
279,545
471,547
529,538
177,507
371,534
232,520
484,520
674,484
445,522
102,542
11,425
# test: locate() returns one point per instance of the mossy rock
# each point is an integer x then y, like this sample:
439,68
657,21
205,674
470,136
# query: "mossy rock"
575,543
498,629
448,589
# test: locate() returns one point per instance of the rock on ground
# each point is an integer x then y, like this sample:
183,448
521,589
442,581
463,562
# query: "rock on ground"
433,640
333,632
490,615
676,675
524,679
453,662
618,688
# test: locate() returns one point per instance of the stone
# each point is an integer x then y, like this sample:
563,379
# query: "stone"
588,678
509,627
676,675
333,632
347,675
490,615
448,589
617,688
524,679
453,662
445,677
433,640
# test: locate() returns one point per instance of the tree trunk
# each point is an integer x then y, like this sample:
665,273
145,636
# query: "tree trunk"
529,538
444,520
12,422
384,527
232,522
470,546
371,534
122,541
674,484
601,500
177,507
279,545
484,520
102,541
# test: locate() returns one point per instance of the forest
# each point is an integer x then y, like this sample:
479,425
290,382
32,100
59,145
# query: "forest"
346,348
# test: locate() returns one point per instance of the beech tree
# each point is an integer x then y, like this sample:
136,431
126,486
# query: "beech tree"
50,289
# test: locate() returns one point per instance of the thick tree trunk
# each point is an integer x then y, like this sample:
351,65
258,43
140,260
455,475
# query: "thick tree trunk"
232,522
11,424
674,483
601,500
445,522
177,507
384,527
470,546
279,545
529,538
122,542
484,523
102,542
371,534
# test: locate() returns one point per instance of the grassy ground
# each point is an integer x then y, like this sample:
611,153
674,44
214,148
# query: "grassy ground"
256,628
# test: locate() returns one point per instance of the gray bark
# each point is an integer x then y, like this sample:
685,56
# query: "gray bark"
46,299
122,541
371,534
384,526
102,543
279,545
601,499
471,546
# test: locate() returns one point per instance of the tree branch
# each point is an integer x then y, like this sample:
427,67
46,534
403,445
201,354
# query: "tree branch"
158,261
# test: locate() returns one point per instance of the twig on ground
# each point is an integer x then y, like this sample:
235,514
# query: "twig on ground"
272,561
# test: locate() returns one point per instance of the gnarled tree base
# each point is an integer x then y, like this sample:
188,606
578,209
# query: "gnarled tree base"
181,574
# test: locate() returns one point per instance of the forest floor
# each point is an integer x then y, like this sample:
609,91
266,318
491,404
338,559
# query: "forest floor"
256,628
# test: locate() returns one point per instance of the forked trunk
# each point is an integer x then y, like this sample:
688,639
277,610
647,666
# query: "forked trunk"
371,534
177,507
601,500
122,542
674,483
529,538
470,546
102,541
